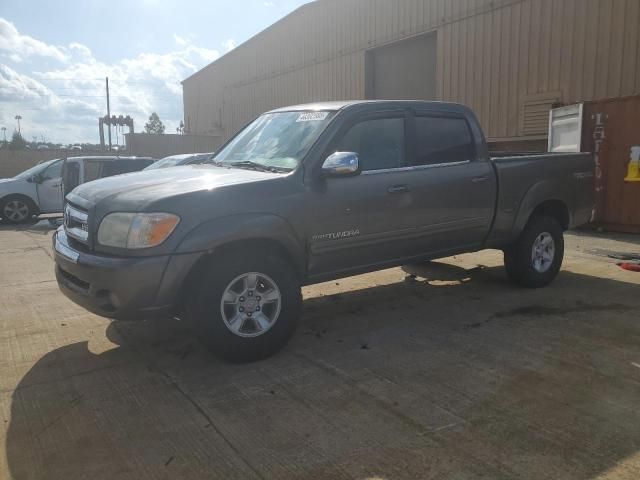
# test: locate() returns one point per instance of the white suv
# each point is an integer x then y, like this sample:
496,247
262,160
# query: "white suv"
42,188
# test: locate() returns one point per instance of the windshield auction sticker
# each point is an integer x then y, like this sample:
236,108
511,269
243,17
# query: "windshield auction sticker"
312,117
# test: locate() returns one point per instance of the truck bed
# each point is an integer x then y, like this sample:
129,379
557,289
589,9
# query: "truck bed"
559,177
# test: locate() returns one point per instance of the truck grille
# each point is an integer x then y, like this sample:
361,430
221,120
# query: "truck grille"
76,223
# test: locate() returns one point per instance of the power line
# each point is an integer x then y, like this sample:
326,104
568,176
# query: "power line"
152,98
72,88
93,87
80,79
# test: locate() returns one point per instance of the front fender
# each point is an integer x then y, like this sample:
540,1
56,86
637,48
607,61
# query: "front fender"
236,228
22,189
541,192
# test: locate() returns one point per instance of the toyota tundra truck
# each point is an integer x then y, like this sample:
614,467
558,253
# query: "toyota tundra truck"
307,194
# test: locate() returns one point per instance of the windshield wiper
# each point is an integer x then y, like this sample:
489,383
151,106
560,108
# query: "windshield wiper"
248,164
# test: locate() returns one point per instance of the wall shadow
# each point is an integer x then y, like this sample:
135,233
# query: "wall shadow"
459,375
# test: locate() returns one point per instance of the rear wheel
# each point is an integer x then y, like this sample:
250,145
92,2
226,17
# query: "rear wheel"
16,210
535,259
247,306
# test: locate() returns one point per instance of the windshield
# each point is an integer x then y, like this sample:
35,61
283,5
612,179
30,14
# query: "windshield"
168,162
275,140
34,170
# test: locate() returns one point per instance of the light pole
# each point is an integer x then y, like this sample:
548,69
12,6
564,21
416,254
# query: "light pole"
18,118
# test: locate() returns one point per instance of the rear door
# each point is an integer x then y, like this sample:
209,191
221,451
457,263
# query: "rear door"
71,176
453,191
363,220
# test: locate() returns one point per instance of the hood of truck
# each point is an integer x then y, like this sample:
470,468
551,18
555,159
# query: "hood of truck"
136,190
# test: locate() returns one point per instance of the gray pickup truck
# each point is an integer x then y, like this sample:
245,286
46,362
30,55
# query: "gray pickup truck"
307,194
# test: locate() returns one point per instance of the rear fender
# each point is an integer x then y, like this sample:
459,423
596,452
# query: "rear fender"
547,191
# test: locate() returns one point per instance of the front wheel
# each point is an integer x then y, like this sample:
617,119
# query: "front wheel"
535,259
247,305
16,210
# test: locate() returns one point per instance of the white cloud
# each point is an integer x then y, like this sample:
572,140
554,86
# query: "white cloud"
80,52
22,46
269,4
64,102
182,41
229,44
43,112
14,86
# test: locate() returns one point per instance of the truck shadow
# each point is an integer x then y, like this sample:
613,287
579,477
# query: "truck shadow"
39,226
456,375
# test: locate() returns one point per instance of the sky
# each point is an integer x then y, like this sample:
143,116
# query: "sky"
55,55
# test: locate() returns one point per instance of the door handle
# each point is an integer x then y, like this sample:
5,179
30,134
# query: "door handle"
398,189
479,179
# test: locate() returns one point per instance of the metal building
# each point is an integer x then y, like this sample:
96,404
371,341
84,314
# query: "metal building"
510,60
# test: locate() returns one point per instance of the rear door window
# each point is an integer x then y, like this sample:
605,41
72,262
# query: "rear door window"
118,167
92,170
441,140
71,177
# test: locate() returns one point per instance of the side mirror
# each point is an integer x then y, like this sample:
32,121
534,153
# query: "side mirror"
341,164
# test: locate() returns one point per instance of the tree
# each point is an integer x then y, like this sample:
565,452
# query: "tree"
180,129
154,125
17,142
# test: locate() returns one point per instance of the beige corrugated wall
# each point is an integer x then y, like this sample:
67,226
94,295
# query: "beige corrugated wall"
492,56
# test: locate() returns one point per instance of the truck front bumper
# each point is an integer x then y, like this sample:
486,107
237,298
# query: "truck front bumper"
122,288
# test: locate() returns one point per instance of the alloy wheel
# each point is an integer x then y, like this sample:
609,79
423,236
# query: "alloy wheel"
251,304
543,252
15,211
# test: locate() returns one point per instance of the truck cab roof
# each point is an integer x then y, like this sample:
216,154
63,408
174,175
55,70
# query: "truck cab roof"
375,105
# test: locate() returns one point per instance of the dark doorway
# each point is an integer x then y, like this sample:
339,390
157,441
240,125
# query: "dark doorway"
404,70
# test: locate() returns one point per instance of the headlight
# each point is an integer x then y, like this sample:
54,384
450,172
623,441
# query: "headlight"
136,230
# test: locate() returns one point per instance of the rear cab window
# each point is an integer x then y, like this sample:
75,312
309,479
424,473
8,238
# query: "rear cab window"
441,140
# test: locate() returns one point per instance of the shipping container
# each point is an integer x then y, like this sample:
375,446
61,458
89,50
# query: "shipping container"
611,130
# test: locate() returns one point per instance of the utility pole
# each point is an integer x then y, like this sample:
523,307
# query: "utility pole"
108,112
18,118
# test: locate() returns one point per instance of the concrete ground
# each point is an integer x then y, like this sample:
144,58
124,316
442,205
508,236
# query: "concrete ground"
458,375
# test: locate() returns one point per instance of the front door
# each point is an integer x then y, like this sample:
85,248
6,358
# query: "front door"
50,189
363,220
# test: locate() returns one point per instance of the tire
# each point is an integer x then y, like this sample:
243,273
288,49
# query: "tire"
16,209
536,258
231,334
